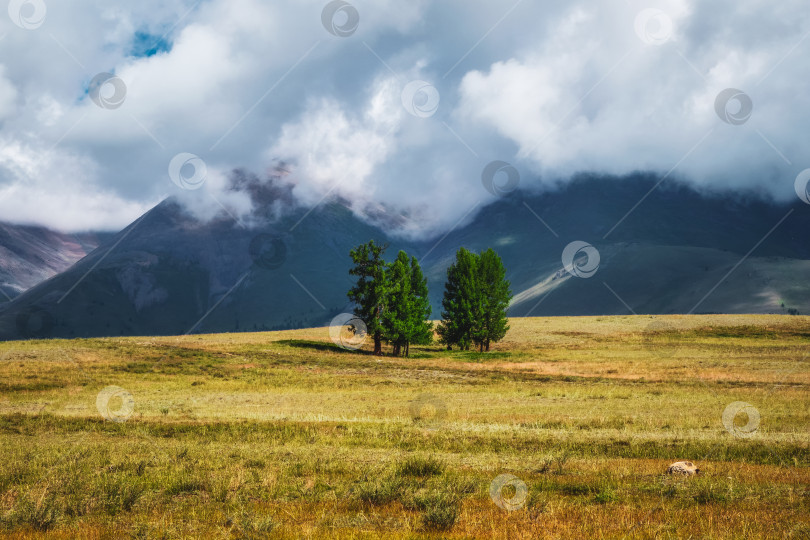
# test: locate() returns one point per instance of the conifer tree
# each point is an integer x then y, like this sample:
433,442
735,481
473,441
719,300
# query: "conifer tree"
371,291
476,298
495,298
396,319
405,319
422,328
462,306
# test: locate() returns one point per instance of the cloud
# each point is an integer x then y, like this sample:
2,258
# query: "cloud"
552,89
332,150
216,197
582,103
60,190
8,95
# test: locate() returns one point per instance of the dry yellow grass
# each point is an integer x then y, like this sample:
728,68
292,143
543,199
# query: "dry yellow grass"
284,435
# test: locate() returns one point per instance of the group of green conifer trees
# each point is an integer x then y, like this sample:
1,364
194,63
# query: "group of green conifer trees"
392,300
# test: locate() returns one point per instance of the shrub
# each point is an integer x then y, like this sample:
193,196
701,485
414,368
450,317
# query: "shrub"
440,516
606,495
41,516
463,485
574,489
420,467
119,495
249,523
378,492
297,469
557,461
185,485
706,494
424,500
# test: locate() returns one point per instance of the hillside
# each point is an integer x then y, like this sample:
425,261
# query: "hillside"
678,252
30,255
285,435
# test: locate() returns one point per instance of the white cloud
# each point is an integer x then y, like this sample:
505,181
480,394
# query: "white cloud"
60,190
335,151
580,103
215,198
555,89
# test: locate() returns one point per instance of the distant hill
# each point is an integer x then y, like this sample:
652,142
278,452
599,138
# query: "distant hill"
30,255
677,252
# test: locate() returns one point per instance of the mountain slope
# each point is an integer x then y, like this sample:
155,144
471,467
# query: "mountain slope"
30,255
166,272
677,252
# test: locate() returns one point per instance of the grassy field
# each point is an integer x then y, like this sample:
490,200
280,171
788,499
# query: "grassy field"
285,435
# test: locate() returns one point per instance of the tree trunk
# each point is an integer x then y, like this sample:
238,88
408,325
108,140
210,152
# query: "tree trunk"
487,345
407,349
377,344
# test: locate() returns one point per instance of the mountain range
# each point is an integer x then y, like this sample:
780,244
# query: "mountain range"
661,248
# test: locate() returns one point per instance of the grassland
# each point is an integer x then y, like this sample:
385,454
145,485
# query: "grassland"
285,435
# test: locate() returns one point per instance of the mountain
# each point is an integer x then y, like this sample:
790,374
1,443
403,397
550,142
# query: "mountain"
30,255
678,251
672,250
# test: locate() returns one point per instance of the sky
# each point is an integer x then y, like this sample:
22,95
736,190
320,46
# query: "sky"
422,110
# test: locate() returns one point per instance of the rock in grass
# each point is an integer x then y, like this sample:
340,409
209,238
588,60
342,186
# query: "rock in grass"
686,468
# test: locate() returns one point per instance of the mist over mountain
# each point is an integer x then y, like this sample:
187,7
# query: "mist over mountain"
677,251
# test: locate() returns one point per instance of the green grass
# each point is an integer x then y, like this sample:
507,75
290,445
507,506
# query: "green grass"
283,435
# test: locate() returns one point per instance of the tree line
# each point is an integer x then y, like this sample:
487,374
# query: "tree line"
392,300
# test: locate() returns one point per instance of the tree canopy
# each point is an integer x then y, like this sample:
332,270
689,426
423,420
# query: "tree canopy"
495,297
476,298
392,299
462,304
406,317
370,292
